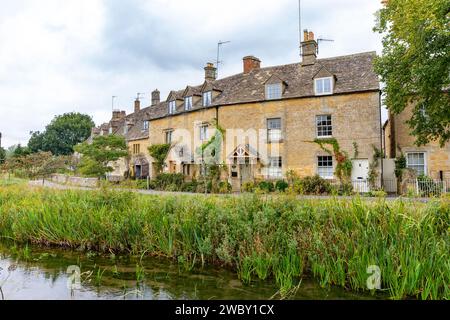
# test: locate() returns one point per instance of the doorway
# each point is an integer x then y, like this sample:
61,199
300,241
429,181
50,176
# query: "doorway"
360,174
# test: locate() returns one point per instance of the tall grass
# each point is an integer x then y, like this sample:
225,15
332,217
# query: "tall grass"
278,238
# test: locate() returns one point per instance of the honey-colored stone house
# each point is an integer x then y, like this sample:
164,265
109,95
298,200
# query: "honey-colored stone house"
271,116
431,160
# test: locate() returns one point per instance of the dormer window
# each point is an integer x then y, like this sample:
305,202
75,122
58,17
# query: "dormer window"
110,130
145,125
172,107
273,91
323,86
188,103
207,98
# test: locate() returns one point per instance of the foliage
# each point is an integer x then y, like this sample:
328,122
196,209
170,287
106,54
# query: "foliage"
100,153
279,238
190,186
19,151
248,186
400,166
315,185
373,166
169,181
415,65
62,134
36,165
355,150
2,155
344,164
159,153
281,185
266,186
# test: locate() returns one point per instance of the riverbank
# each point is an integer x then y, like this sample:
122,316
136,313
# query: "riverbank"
283,238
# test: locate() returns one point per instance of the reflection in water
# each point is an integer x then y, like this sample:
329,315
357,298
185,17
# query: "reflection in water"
41,273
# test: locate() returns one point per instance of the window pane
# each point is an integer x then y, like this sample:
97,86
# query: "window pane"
327,85
319,86
324,126
325,166
273,91
416,161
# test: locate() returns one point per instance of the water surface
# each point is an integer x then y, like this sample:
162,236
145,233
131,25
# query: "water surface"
41,273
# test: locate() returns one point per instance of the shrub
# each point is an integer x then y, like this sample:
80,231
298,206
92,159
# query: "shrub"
281,185
266,186
248,186
315,185
225,187
190,186
164,180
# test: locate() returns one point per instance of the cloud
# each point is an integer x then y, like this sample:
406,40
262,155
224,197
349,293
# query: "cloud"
62,56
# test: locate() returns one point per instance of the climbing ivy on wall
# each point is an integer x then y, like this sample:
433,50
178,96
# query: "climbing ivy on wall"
344,164
210,150
159,152
373,171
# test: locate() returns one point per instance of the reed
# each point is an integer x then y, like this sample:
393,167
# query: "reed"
280,238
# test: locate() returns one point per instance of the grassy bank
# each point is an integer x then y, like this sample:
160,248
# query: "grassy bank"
282,238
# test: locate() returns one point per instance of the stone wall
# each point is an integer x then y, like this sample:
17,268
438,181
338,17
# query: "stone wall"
75,181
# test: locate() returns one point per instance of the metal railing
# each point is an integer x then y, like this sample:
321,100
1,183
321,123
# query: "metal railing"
427,187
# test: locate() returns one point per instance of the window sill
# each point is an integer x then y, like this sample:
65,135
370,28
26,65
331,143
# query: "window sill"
324,137
324,94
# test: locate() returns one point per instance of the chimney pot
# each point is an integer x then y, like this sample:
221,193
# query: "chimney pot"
251,63
309,49
156,97
210,72
137,106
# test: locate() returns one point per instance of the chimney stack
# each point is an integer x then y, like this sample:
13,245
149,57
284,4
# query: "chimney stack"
137,106
156,98
210,72
251,63
309,48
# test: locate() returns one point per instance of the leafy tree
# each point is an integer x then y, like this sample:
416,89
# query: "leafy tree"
97,155
62,134
415,65
159,153
19,151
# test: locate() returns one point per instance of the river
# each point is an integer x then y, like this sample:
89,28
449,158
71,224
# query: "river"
40,273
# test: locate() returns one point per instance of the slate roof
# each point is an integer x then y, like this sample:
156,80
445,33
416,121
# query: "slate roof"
353,73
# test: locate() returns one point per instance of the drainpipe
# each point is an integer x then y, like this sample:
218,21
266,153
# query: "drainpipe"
383,145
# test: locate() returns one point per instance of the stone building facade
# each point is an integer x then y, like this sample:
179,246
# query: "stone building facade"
431,160
271,117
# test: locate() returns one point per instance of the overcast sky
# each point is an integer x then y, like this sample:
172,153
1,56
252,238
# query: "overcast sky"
73,55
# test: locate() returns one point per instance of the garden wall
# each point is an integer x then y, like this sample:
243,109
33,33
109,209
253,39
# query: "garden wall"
75,181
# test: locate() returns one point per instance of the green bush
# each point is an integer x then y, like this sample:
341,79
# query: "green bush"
266,186
225,187
248,186
190,186
315,185
281,185
169,180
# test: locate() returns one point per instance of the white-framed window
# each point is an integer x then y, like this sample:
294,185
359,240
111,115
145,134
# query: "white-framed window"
325,167
324,126
169,136
204,132
274,130
323,86
417,162
125,129
145,125
207,98
273,91
275,169
188,103
110,130
172,107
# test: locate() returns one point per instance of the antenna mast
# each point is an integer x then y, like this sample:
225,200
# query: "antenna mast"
218,62
112,102
300,23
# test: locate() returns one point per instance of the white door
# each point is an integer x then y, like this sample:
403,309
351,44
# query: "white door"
360,174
